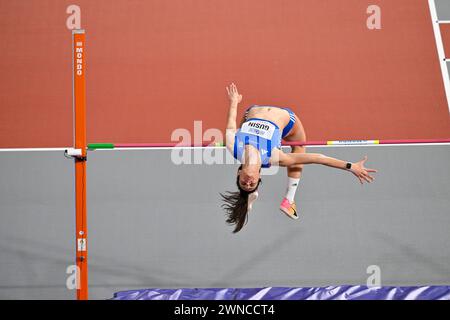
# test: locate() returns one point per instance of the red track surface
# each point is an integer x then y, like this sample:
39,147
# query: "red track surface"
154,66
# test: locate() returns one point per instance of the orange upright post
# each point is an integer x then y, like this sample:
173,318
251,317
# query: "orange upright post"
79,108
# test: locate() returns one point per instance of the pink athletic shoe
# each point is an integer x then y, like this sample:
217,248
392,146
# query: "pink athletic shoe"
290,209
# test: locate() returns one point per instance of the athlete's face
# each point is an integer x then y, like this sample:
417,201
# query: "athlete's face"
248,181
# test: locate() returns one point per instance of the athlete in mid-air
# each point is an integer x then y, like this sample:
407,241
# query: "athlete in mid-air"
257,144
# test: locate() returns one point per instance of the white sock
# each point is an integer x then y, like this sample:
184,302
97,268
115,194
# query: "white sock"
292,188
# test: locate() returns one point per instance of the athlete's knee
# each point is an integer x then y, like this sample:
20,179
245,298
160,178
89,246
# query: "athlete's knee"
296,167
298,149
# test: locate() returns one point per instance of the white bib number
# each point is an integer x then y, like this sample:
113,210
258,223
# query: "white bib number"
259,128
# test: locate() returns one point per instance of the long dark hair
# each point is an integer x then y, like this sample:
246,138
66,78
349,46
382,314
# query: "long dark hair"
235,205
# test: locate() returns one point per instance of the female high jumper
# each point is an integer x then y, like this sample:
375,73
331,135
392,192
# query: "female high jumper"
257,144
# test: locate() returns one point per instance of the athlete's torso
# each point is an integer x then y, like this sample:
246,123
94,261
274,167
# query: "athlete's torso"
263,127
262,134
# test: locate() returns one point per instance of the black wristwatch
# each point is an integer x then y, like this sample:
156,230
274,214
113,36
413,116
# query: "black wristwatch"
349,165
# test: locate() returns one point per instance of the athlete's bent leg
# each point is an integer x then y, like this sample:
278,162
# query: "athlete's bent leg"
294,172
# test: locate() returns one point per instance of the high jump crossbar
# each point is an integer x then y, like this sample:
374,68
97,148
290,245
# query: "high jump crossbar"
98,146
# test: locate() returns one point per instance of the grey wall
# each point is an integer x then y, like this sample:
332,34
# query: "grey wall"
155,224
37,224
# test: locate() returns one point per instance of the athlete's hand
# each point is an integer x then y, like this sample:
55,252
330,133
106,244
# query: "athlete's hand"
361,172
233,94
251,199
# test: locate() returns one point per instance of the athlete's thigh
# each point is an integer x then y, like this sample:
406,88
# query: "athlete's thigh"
297,132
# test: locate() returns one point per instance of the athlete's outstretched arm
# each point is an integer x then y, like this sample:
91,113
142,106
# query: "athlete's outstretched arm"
235,99
358,169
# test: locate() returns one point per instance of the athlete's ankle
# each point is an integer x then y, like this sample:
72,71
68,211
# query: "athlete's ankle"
292,188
